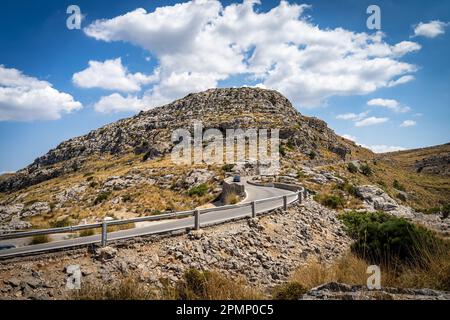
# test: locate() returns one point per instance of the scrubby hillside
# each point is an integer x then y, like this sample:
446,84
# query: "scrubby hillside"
124,169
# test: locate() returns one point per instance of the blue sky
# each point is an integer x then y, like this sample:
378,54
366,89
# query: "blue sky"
49,92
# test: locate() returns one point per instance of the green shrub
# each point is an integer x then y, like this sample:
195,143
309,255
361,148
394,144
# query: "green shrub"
93,184
312,155
40,239
127,198
199,190
397,185
282,150
228,167
102,197
366,170
347,187
300,174
445,210
289,291
330,200
401,196
352,168
384,239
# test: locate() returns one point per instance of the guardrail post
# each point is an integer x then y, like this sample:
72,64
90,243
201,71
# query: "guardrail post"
197,220
299,197
253,209
284,202
104,233
305,193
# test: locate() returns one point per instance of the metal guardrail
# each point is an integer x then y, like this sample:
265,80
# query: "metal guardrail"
165,216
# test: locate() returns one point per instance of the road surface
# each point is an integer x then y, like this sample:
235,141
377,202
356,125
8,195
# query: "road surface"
206,218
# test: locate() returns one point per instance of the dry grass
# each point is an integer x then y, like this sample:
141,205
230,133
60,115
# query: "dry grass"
350,269
347,269
231,198
119,227
126,289
194,285
210,285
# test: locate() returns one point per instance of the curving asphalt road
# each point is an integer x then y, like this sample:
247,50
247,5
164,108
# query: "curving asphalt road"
206,218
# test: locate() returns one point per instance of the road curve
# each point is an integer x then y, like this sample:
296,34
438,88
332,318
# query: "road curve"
207,218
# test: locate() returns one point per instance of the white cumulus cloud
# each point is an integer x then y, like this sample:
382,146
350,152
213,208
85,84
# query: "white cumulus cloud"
377,148
370,121
199,43
352,116
111,75
118,103
408,123
25,98
390,104
430,29
349,137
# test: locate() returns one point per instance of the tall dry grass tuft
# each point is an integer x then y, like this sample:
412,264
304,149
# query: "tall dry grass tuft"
210,285
231,198
347,269
126,289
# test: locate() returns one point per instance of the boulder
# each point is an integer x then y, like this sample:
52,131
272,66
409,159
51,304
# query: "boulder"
376,198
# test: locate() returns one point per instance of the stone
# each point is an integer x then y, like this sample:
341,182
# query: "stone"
106,253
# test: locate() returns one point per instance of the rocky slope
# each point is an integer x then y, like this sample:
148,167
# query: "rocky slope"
150,132
264,251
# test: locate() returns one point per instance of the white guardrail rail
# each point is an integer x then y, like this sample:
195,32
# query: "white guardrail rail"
103,239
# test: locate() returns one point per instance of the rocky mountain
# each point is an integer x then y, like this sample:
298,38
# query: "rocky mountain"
149,132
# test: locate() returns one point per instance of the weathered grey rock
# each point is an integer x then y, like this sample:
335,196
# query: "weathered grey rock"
342,291
198,176
73,193
36,208
106,253
376,198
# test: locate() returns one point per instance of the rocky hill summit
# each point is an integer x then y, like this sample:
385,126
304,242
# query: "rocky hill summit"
149,132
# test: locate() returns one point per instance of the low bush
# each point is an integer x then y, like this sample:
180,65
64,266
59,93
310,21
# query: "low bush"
347,187
127,198
384,239
352,168
445,210
289,291
199,190
397,185
330,200
228,167
312,155
366,170
102,197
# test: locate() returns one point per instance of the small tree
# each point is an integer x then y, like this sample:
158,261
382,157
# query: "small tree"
366,170
352,168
